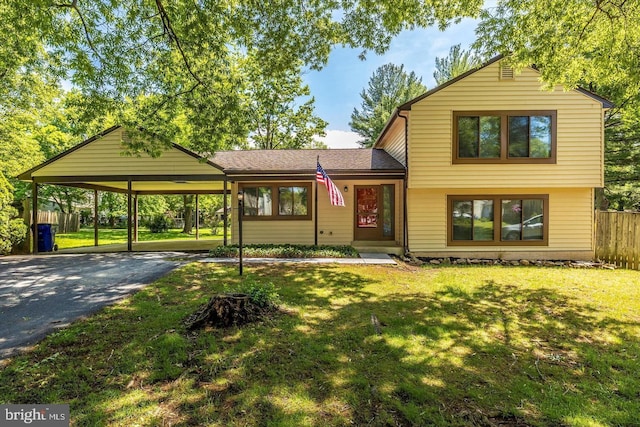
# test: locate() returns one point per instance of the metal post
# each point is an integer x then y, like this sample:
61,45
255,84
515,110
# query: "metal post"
240,214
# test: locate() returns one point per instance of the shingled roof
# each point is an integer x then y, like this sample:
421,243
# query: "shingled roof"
340,161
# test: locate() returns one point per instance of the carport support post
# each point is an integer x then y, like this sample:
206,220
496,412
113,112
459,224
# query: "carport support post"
224,215
34,216
197,218
129,230
95,217
135,218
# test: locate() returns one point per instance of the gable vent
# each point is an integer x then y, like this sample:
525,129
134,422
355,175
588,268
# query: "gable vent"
506,72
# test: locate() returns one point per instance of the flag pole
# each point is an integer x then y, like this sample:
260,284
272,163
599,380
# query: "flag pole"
315,241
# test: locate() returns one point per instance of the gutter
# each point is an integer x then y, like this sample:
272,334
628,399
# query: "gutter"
405,225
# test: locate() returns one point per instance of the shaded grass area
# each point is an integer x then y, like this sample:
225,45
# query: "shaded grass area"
285,251
107,236
460,346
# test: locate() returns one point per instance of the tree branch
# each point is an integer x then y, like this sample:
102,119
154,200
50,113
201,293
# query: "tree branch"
168,28
74,5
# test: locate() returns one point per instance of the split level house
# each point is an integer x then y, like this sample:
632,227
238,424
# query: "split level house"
488,165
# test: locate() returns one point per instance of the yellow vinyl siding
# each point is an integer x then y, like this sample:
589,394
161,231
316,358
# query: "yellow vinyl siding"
103,157
335,223
579,135
570,219
393,141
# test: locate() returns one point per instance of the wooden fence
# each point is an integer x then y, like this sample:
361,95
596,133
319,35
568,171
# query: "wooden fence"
66,223
618,238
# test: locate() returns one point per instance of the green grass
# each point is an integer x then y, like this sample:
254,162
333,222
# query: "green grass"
460,346
107,236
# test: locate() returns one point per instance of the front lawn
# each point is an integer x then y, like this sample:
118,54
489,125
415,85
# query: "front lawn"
108,236
509,346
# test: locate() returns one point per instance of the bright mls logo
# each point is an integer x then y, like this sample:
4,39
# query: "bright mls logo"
34,415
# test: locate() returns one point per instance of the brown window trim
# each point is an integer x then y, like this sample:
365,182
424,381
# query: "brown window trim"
275,194
497,232
504,137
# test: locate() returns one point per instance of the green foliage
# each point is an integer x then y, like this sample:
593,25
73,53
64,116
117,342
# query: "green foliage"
112,207
285,251
263,294
12,231
159,224
458,62
572,41
388,87
160,64
278,115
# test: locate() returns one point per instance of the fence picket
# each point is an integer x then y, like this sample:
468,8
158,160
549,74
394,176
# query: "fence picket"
618,238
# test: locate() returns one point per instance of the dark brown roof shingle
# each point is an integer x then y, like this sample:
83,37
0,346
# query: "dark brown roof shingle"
357,160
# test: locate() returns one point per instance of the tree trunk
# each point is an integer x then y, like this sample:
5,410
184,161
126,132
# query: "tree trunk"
188,213
225,310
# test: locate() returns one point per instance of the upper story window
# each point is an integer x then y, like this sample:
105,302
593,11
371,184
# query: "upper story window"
277,201
504,137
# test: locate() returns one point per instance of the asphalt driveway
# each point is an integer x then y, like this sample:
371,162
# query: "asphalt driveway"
43,293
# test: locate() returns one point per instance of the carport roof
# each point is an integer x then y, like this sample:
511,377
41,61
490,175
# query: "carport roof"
99,163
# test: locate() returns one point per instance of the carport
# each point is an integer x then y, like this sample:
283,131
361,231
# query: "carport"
99,163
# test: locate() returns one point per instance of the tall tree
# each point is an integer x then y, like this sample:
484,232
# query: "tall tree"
458,62
279,115
162,58
388,87
590,44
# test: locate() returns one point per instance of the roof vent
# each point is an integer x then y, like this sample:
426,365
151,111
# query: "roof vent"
506,72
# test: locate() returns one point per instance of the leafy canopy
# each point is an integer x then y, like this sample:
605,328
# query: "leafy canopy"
458,62
155,62
388,87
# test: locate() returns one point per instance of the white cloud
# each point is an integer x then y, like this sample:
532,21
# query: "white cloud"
340,139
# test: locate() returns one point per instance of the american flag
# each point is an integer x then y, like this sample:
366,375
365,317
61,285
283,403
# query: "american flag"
335,196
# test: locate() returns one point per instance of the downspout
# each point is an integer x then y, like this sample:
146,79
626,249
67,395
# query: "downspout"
405,225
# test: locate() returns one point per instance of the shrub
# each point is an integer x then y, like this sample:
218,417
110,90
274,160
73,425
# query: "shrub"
285,251
159,224
261,294
12,231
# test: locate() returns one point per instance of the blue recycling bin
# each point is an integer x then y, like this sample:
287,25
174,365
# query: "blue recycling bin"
45,238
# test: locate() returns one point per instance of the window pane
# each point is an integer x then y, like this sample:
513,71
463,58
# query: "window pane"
264,205
540,131
300,200
511,219
490,137
285,206
483,220
518,136
462,213
387,210
250,201
532,219
468,136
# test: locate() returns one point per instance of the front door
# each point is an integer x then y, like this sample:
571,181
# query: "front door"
374,216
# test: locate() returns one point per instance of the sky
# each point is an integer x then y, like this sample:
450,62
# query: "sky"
336,88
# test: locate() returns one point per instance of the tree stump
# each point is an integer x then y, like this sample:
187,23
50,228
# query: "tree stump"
225,310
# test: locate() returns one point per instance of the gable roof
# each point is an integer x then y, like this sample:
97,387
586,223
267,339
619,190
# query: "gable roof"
407,105
356,161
